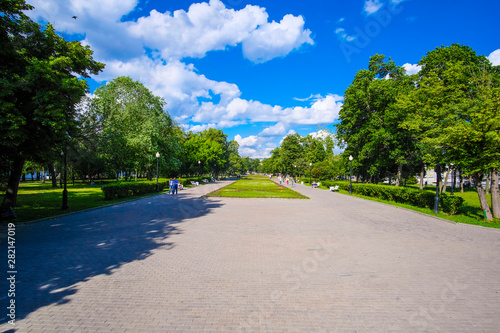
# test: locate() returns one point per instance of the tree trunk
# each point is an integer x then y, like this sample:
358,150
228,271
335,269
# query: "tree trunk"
52,173
422,174
487,189
495,200
478,178
10,198
461,181
135,174
400,173
445,182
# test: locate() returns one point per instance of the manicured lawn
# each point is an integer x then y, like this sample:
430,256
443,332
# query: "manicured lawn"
256,187
36,200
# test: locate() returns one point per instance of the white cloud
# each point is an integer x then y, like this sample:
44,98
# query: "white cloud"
372,6
200,128
203,28
343,36
273,39
412,69
494,57
321,134
277,129
252,140
311,97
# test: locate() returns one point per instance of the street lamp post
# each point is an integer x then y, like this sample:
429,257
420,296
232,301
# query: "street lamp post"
199,170
350,174
65,191
157,185
310,165
436,199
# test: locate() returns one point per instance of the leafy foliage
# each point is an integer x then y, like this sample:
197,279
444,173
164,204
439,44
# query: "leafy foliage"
123,190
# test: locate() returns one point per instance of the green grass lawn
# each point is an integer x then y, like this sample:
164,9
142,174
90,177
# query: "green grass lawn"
36,200
256,187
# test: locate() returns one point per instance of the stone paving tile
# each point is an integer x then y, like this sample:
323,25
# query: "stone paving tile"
186,264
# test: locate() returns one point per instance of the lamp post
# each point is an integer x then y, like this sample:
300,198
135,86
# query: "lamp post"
199,170
157,185
65,191
350,174
436,199
310,165
61,175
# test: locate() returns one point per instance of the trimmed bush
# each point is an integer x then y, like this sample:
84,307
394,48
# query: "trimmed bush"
124,190
424,199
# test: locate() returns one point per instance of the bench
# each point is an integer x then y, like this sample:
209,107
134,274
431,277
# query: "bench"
195,183
334,188
205,181
316,185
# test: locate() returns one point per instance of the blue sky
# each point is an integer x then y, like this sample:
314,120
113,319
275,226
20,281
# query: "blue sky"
262,69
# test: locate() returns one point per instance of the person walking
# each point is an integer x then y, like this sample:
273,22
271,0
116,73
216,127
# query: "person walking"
176,185
170,186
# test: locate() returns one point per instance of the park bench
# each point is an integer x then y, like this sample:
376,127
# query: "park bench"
316,185
195,183
334,188
205,181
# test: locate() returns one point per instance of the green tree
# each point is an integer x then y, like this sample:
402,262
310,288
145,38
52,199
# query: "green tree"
39,87
369,121
133,127
456,114
290,151
210,148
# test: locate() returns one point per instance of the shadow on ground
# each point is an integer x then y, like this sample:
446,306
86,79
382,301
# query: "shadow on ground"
52,256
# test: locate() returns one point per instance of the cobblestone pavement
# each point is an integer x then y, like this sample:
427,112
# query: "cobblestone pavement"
182,263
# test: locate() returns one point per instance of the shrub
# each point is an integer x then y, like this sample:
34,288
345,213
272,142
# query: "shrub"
410,196
123,190
412,180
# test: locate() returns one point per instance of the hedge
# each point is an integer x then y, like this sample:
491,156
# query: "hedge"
424,199
123,190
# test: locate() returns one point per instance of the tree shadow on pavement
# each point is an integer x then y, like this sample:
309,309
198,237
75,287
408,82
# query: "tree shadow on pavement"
52,256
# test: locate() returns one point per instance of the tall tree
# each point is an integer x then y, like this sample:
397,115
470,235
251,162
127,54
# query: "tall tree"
133,127
369,120
39,87
456,112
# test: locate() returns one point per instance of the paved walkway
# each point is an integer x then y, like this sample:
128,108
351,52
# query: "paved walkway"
186,264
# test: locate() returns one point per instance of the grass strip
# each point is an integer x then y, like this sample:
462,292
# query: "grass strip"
255,187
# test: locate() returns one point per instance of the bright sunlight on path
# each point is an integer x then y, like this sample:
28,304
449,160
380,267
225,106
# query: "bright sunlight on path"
334,263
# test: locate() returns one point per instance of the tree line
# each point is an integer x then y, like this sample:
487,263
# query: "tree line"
395,125
47,119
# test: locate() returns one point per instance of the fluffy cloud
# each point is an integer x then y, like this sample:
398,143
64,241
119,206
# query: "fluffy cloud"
273,39
494,57
176,82
204,27
252,140
412,69
372,6
275,130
